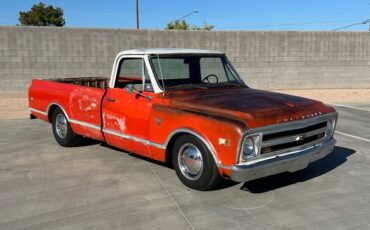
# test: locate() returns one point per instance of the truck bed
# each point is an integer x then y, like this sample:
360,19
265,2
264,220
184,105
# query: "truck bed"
79,98
96,82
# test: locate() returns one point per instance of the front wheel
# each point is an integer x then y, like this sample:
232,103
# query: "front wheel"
194,164
63,132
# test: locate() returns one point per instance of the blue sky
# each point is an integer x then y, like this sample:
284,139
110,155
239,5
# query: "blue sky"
314,15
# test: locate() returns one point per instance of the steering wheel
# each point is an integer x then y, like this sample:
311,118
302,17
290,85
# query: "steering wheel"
206,79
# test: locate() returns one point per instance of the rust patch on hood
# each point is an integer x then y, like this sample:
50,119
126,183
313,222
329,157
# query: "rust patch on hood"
254,107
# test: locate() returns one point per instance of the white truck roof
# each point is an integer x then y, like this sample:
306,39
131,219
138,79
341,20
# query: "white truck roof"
167,51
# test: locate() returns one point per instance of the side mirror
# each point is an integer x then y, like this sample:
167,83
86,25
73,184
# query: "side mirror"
131,89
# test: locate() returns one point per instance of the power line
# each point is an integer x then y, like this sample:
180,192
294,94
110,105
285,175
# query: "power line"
338,10
319,12
355,24
288,24
320,16
343,11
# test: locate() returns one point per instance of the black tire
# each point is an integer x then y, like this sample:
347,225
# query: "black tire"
70,138
208,177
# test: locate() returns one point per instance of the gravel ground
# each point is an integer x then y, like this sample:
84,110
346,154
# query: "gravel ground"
14,104
334,95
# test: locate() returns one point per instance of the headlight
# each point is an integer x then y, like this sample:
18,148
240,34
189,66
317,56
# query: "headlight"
331,126
250,148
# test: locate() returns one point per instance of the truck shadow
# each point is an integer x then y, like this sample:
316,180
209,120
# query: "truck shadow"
88,142
164,164
333,160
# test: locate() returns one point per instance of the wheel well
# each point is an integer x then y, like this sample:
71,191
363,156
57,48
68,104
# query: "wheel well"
51,111
169,147
171,143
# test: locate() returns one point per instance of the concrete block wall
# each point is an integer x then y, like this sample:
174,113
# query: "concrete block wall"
266,60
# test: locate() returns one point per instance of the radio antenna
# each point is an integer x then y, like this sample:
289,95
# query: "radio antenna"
160,70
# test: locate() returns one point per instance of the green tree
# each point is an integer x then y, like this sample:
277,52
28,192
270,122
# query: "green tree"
183,25
177,25
41,15
205,26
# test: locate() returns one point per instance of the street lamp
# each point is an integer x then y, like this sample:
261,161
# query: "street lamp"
193,12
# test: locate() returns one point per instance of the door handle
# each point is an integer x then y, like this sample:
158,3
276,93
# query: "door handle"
108,99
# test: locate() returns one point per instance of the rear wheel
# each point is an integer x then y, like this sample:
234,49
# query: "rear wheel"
194,163
62,130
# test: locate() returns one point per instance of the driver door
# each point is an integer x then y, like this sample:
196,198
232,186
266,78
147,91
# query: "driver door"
126,112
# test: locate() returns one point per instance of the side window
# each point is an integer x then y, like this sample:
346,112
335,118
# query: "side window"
131,72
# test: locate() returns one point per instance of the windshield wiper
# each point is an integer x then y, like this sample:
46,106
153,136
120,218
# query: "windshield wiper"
226,84
188,86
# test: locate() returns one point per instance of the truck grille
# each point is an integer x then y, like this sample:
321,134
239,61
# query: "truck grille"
283,141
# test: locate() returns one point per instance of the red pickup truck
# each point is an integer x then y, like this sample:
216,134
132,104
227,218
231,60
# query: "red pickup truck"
191,109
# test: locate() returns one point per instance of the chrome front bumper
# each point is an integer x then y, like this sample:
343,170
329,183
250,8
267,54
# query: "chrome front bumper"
287,162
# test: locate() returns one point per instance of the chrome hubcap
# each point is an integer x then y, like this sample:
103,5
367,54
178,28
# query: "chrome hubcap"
61,125
190,161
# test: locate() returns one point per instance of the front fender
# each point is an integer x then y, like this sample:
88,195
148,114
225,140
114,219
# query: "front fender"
166,122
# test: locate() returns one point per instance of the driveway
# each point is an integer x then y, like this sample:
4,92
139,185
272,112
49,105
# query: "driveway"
45,186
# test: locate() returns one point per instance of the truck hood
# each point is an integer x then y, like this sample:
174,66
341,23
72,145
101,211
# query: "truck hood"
253,107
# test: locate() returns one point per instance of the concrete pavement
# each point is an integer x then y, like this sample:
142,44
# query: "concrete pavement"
45,186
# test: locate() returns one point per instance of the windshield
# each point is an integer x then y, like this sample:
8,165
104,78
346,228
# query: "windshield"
194,71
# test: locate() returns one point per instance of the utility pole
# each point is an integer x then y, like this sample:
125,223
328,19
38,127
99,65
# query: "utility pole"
137,15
